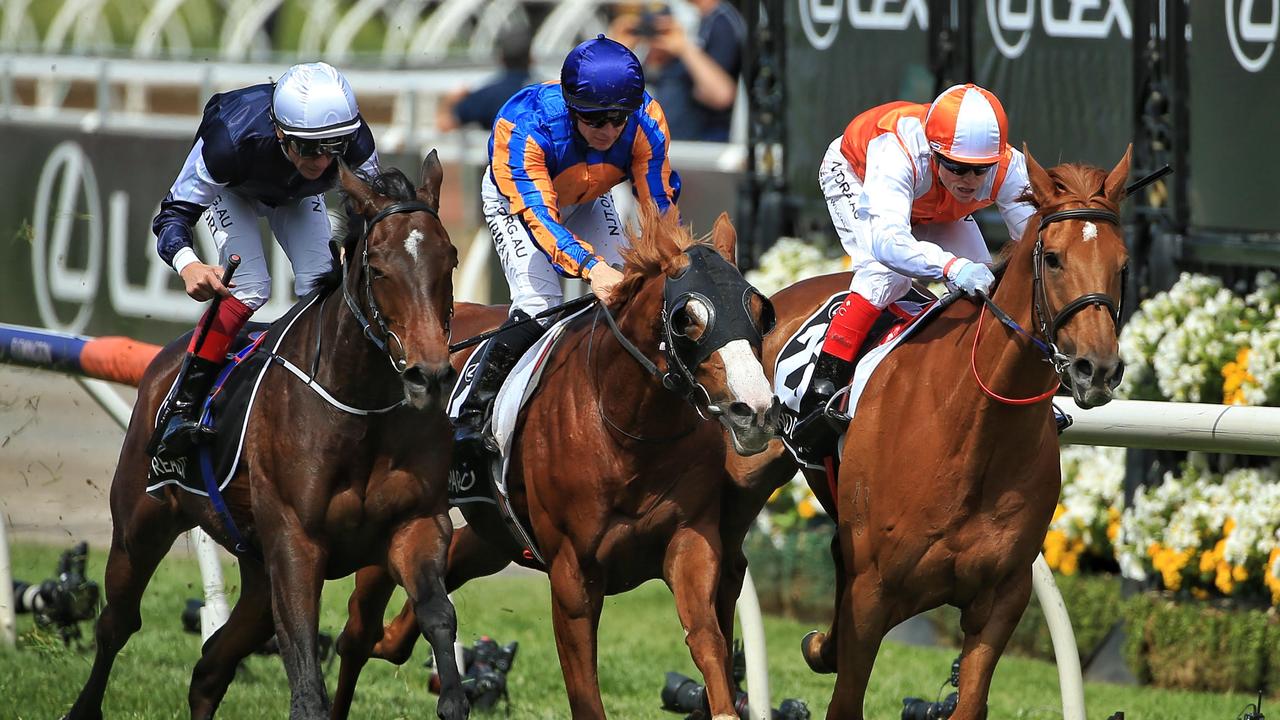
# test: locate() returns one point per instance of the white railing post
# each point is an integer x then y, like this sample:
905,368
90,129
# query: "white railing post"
753,645
8,625
1070,679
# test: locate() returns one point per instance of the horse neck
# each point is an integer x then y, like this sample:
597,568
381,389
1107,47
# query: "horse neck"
1006,360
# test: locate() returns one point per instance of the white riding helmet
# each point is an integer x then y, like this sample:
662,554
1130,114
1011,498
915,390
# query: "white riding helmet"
312,101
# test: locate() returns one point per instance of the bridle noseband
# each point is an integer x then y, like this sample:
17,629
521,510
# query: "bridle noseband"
384,345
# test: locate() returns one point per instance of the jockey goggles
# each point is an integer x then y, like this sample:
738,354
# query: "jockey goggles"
599,118
961,169
315,147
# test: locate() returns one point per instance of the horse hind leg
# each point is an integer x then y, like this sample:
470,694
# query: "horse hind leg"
988,622
363,630
693,573
246,630
819,648
139,541
862,623
417,557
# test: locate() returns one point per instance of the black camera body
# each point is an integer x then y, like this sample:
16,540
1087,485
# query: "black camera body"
920,709
484,675
683,694
64,601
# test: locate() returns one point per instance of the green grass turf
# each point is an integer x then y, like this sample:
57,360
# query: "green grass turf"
640,640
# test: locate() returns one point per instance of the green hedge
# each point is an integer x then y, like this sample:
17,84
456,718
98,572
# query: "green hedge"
1200,645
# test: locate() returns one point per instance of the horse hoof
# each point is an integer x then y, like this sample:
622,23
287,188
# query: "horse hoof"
811,649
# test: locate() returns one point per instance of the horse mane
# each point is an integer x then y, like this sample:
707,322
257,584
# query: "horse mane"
390,183
1072,183
657,246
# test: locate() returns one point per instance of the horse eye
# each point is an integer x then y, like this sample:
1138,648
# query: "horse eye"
1052,261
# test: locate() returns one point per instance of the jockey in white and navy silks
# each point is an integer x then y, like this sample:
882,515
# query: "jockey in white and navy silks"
556,151
262,151
901,184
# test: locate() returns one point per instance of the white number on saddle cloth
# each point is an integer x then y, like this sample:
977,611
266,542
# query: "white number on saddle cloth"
794,367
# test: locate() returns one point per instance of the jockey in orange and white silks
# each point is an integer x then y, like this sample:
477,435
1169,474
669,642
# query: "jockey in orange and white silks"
901,184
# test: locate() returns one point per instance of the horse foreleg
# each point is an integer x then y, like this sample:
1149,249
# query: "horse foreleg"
862,623
575,616
295,564
987,623
819,648
417,557
733,568
139,540
246,630
364,627
693,573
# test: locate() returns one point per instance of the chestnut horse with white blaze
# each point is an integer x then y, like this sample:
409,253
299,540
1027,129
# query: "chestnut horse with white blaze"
617,464
334,474
949,472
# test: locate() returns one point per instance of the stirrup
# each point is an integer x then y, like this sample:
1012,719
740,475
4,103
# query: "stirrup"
838,420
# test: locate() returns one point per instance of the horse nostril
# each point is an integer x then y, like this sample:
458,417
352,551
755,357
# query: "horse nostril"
1082,368
445,378
1115,375
741,410
414,377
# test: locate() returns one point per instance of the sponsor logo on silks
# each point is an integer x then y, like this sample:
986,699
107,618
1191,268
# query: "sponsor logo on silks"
168,469
1252,42
461,481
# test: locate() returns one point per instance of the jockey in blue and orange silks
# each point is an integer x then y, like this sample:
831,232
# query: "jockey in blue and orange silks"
556,151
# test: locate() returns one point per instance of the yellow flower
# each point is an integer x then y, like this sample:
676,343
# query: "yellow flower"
1055,544
805,508
1270,579
1235,376
1070,563
1227,527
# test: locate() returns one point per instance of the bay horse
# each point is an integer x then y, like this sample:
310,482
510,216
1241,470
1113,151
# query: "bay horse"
945,491
334,474
618,476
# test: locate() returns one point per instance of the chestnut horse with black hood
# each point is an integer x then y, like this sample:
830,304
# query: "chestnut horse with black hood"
334,475
617,464
949,472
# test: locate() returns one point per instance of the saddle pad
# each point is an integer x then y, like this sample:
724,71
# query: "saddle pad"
227,408
793,369
515,390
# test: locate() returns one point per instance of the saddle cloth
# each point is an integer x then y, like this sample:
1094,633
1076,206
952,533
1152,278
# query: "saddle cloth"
516,390
226,409
793,369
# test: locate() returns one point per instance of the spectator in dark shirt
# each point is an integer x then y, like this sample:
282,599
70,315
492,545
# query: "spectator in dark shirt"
695,77
480,106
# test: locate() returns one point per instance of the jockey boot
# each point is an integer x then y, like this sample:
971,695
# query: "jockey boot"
206,352
500,355
184,431
833,370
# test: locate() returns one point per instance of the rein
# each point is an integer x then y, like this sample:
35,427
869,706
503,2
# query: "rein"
1048,323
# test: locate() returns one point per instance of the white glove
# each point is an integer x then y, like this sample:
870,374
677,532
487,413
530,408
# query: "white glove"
972,277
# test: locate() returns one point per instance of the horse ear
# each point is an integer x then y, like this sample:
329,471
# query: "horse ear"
1041,184
1113,188
430,177
725,239
365,200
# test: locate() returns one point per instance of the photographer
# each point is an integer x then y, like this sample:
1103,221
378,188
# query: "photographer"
694,77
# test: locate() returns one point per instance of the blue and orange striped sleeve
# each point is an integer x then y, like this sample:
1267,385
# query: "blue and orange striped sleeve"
651,175
519,167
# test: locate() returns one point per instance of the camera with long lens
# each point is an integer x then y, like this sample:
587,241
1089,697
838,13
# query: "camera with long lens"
484,672
62,602
1253,711
920,709
683,694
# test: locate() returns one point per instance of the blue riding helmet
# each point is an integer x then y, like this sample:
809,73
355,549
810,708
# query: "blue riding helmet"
602,74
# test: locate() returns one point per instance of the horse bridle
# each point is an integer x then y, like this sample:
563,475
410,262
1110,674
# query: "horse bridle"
382,343
1050,324
714,284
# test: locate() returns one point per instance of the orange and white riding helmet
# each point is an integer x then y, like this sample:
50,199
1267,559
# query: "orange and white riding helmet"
967,124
